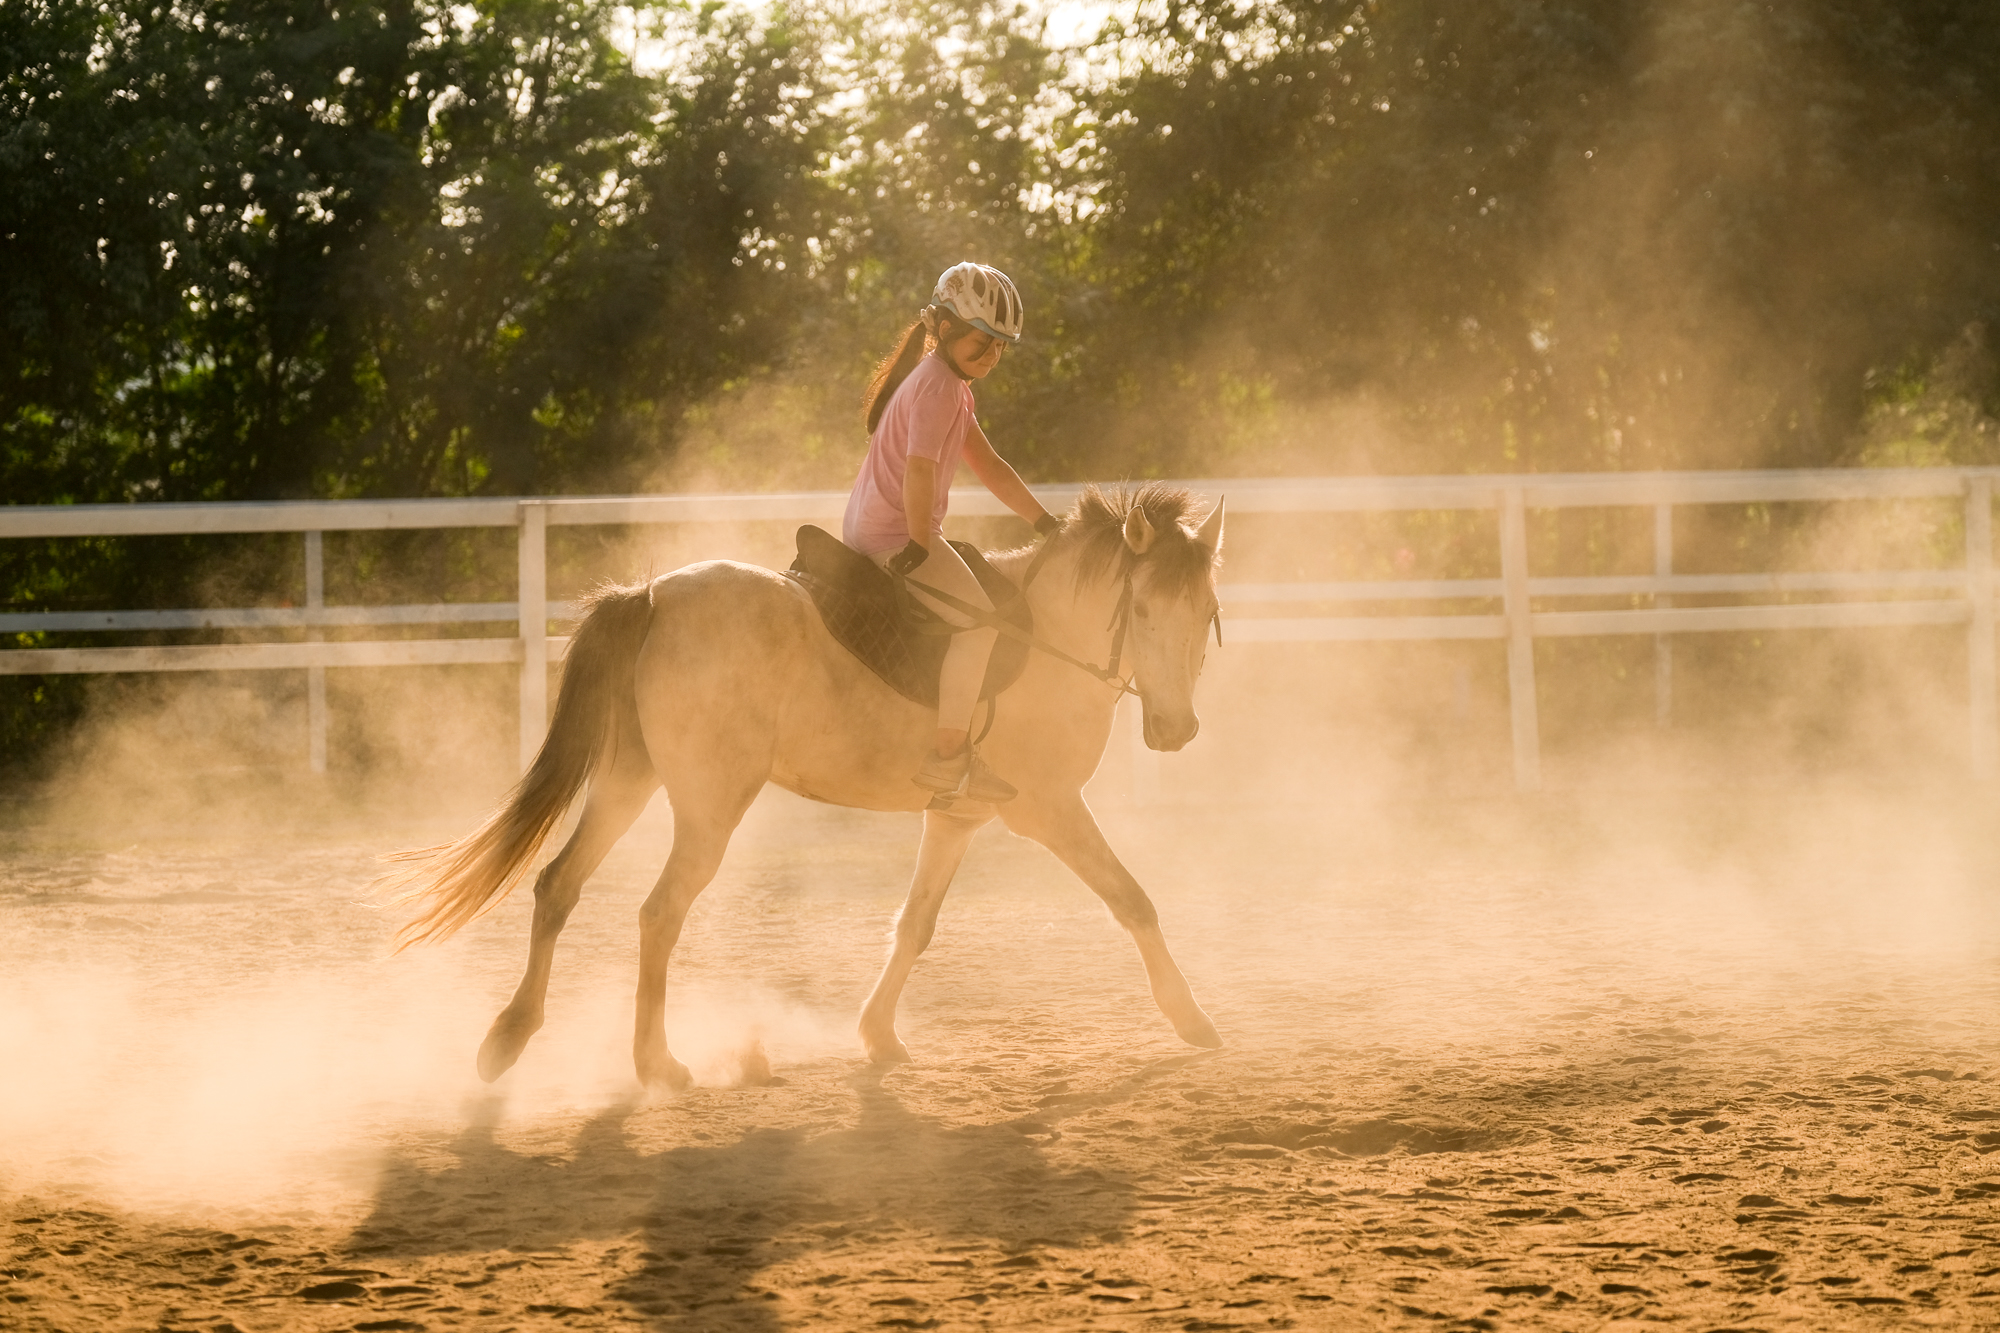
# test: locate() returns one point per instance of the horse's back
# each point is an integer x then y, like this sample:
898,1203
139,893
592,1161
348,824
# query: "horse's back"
723,632
718,600
737,674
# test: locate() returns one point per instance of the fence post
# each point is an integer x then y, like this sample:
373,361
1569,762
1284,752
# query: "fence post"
533,610
1663,647
1979,590
316,676
1520,638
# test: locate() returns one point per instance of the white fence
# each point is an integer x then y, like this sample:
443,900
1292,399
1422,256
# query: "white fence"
1962,594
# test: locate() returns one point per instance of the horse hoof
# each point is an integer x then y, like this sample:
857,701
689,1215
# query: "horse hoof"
493,1063
503,1046
664,1074
1200,1033
890,1052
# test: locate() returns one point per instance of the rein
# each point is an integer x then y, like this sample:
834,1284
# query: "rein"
1121,618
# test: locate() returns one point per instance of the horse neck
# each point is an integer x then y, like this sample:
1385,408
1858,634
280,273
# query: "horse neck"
1076,619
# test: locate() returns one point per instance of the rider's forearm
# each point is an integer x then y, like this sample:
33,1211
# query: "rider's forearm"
1014,493
1007,486
919,495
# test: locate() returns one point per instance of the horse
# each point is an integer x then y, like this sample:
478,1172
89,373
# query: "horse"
720,677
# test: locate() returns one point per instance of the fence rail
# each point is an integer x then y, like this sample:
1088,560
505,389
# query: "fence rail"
1963,595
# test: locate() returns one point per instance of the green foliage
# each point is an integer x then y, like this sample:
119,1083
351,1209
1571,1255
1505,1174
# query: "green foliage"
284,248
1553,234
1940,411
260,248
268,248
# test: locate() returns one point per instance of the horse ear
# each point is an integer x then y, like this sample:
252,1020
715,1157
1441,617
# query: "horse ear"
1210,534
1139,533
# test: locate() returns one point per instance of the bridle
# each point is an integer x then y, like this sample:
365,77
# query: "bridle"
1121,620
1120,624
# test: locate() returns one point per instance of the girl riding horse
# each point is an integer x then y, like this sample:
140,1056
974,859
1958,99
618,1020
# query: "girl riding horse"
720,677
921,423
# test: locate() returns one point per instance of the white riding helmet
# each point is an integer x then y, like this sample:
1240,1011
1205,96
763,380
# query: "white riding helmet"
983,297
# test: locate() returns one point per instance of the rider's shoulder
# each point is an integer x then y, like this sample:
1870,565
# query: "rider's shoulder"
933,380
931,375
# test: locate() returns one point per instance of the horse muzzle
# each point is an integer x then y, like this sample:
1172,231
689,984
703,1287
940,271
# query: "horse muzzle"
1169,732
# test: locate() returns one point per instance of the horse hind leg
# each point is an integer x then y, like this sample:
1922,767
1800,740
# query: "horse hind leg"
938,857
703,825
618,794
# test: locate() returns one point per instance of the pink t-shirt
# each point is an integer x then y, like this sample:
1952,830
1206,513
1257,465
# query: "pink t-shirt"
926,418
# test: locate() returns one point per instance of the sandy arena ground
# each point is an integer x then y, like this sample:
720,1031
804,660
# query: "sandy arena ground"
1523,1068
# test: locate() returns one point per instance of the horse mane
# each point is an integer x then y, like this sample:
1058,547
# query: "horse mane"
1096,523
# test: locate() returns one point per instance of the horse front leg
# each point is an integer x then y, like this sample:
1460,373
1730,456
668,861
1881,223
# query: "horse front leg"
946,836
1065,827
617,797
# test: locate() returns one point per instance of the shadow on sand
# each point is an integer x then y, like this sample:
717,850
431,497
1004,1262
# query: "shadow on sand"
689,1228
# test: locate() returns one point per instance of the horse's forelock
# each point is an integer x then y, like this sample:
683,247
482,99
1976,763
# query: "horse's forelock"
1179,564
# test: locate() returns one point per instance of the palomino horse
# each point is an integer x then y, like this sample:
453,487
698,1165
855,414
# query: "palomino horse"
720,677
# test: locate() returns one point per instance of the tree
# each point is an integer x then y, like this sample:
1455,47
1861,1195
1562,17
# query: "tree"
272,248
1545,234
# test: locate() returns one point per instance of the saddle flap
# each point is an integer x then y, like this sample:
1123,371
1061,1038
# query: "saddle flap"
890,632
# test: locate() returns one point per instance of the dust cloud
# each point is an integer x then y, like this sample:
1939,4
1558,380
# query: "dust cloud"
1482,1050
1705,1030
212,1021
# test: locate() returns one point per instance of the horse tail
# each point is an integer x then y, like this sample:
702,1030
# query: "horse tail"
456,882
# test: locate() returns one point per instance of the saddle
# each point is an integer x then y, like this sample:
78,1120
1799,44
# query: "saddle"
889,630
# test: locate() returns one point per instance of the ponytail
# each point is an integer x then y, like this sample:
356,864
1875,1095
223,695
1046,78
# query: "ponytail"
894,369
933,328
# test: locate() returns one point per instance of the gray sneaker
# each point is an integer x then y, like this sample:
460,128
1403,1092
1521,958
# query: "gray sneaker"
940,774
963,774
983,784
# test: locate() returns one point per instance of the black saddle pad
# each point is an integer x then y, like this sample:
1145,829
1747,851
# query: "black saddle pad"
894,635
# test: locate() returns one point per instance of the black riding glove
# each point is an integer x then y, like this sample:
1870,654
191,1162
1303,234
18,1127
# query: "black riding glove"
1047,524
909,557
